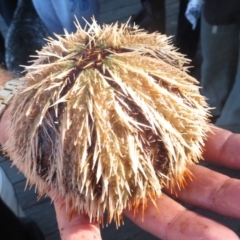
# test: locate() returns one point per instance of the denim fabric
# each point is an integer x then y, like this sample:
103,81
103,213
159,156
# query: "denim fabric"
59,15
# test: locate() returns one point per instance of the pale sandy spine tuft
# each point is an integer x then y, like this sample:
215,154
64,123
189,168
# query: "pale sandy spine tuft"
106,118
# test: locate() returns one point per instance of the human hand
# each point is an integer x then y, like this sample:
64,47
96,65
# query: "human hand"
209,190
170,220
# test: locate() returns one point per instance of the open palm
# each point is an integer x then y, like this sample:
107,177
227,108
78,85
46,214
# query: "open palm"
210,190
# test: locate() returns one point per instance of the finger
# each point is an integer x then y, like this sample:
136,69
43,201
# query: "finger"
172,221
79,227
223,147
213,191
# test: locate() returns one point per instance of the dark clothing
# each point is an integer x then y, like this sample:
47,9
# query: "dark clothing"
187,39
220,69
152,16
13,228
222,12
7,9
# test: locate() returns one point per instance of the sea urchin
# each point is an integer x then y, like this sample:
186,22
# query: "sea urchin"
106,118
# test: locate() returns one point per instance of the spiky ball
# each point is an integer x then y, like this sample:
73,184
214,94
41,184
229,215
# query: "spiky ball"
106,118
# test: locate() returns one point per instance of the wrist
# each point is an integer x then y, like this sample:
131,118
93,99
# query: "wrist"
4,124
7,92
8,88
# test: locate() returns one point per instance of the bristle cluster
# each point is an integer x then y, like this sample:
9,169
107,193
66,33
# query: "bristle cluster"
106,118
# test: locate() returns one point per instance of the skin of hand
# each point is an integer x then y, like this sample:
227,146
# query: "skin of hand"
170,220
